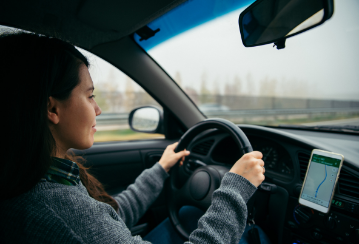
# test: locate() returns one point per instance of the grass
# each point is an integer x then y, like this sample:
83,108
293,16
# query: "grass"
123,135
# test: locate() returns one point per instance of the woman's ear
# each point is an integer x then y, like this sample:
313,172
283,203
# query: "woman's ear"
52,110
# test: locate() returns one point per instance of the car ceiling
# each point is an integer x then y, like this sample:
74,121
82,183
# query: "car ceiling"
83,23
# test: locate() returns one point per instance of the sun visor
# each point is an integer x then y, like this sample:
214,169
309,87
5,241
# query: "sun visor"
123,16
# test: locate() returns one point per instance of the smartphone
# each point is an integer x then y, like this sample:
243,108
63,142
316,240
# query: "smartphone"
320,180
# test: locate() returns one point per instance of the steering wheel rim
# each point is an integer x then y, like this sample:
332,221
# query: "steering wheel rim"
198,189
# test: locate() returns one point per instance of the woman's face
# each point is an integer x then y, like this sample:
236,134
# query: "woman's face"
75,127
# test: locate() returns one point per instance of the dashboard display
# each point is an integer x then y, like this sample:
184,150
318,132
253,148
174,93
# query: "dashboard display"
338,204
270,157
275,157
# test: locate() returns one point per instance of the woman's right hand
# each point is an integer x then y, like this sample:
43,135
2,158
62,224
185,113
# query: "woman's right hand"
251,167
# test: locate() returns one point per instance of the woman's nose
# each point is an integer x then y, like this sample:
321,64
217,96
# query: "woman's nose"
98,110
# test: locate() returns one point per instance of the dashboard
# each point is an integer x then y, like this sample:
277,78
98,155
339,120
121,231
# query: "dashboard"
277,159
286,153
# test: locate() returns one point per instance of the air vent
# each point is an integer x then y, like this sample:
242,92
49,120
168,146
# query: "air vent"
348,184
303,163
203,147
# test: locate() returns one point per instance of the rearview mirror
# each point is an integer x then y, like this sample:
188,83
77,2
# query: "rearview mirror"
273,21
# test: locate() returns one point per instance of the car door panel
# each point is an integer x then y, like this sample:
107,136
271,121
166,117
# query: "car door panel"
116,165
151,156
115,170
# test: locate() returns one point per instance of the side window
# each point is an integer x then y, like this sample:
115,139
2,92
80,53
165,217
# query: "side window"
117,95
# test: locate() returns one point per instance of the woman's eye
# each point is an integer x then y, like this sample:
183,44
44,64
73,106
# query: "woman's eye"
92,96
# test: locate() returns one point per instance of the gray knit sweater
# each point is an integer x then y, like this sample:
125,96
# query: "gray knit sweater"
56,213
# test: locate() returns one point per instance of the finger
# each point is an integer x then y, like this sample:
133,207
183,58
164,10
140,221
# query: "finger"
259,169
261,162
174,145
171,147
182,154
256,154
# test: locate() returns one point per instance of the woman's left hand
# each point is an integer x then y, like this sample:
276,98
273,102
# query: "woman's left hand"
170,158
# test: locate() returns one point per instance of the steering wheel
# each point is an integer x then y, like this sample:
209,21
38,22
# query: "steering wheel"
197,190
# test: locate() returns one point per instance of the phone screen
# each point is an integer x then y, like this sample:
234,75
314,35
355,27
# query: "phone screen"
321,179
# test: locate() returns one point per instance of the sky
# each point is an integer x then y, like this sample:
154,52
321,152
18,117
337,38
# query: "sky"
323,60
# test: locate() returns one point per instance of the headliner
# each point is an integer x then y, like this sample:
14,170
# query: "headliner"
84,23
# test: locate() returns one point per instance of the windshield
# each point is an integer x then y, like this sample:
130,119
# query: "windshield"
313,81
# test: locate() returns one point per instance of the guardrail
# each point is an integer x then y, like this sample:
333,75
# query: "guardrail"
112,119
122,118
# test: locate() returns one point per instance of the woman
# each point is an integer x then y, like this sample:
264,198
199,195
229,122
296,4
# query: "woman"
47,195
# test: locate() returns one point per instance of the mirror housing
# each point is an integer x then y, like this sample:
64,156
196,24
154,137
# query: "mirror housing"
147,119
273,21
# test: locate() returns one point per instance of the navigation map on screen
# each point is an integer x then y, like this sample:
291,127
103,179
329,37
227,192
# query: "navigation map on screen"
320,180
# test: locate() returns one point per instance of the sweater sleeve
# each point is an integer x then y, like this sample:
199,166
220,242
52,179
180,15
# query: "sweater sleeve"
55,213
136,199
225,220
223,223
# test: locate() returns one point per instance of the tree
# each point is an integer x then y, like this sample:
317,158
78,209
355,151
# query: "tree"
101,99
216,89
251,87
114,97
178,79
268,87
129,95
205,93
235,88
227,89
192,93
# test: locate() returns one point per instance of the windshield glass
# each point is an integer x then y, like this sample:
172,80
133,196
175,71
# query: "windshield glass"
313,81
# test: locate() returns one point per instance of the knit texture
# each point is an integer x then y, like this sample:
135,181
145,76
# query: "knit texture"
57,213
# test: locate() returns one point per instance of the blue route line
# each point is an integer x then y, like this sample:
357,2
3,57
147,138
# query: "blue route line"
322,181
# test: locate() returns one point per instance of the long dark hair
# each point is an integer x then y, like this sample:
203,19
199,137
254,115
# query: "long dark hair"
33,68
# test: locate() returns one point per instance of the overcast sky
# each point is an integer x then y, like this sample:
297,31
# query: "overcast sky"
325,59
